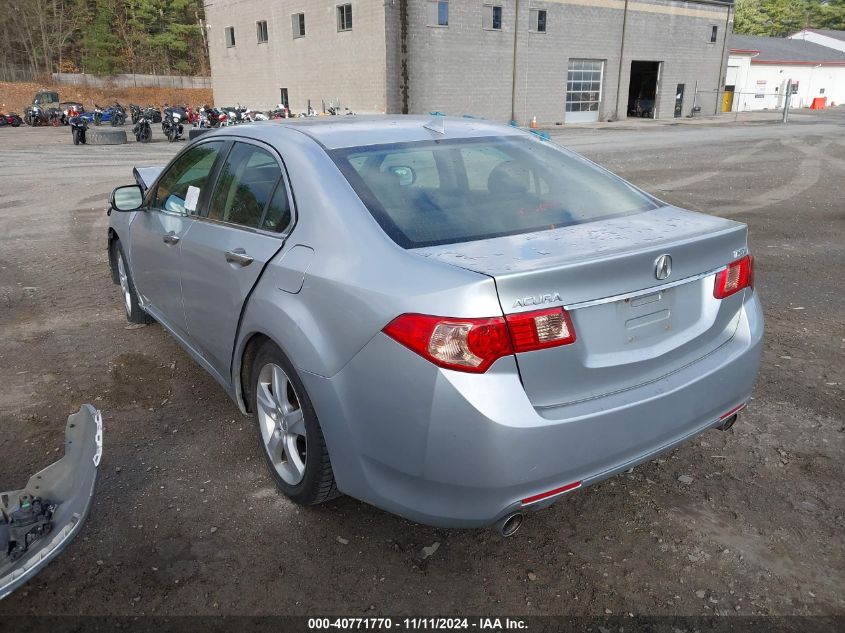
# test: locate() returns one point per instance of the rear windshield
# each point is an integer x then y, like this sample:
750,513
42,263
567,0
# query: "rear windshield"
443,192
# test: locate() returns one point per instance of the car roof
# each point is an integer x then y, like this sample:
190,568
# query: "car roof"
335,132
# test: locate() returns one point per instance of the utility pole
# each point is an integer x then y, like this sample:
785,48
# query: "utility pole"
513,77
621,61
786,99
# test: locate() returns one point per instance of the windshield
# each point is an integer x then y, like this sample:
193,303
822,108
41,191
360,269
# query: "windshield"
443,192
46,97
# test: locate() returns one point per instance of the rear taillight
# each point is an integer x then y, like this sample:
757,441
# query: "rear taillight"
472,345
464,344
738,275
540,329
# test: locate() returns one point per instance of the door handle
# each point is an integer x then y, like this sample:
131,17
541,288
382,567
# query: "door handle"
238,256
171,239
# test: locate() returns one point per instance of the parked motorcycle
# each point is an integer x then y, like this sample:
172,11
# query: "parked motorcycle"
12,119
143,131
78,128
135,112
69,110
235,114
171,123
280,112
192,116
212,117
117,114
252,116
98,115
34,116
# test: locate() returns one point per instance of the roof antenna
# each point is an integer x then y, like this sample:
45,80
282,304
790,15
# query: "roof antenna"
437,124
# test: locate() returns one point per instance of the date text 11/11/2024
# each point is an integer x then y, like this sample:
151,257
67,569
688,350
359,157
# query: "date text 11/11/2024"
417,624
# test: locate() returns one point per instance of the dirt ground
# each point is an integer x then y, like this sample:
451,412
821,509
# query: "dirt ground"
14,97
187,521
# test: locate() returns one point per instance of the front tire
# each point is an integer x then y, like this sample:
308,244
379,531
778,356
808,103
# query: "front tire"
75,137
291,439
134,312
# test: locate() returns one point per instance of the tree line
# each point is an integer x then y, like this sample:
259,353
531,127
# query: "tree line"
779,18
104,36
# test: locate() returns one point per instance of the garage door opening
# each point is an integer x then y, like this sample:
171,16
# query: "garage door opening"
583,90
642,89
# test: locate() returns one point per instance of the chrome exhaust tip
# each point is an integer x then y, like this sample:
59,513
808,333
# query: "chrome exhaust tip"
509,525
724,426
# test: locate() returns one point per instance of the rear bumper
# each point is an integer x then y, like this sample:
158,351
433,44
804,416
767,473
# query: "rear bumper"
68,484
461,450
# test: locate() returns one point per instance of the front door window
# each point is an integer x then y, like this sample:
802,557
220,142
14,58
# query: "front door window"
181,187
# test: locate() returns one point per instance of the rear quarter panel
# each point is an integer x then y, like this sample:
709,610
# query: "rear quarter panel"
357,280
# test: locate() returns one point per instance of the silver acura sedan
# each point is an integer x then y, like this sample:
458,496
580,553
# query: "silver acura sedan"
452,320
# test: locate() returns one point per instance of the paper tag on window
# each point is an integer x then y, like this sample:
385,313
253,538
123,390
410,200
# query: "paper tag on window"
192,198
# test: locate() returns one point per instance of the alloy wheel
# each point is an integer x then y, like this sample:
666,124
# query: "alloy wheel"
282,423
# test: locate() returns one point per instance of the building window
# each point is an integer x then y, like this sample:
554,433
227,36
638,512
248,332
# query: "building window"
537,22
230,36
298,23
583,87
492,17
261,31
714,31
344,17
438,12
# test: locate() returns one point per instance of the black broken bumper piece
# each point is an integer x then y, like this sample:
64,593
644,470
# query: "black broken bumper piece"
38,522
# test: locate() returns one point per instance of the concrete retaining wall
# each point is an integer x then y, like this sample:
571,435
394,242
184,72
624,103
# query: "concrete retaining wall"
132,80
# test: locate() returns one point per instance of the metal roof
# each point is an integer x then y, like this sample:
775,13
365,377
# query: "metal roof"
781,49
837,35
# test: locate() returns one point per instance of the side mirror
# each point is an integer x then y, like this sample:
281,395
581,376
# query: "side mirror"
127,198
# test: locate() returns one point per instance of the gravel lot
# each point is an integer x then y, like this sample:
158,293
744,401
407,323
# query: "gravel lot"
187,520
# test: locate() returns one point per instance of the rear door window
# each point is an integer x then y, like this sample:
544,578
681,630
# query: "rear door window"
187,175
247,184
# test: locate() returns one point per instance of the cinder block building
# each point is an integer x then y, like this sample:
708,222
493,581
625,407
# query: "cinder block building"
561,61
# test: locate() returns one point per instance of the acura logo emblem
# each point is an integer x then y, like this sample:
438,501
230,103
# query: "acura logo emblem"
663,267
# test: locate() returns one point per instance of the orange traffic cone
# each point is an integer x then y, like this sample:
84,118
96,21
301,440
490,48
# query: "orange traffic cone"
533,125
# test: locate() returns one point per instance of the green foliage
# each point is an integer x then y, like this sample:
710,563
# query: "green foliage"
105,36
102,46
779,18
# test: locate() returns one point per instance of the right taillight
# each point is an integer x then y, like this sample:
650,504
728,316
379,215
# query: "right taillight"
473,345
738,275
540,329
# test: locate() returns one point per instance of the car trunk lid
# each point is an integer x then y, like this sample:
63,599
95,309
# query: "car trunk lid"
631,327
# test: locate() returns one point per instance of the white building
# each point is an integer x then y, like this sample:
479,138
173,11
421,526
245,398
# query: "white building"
825,37
760,67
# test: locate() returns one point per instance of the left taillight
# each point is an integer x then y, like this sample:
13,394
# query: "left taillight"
473,345
738,275
470,345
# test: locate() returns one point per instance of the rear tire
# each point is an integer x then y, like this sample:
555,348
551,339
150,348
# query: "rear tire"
134,312
291,439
